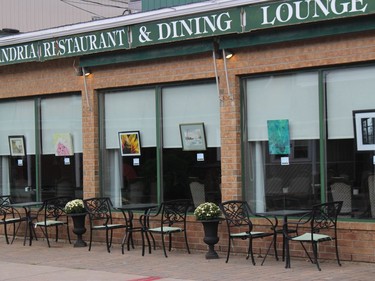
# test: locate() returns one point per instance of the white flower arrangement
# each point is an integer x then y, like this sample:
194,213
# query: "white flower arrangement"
75,207
207,211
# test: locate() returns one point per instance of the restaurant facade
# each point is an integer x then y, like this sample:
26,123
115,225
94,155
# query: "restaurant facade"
268,101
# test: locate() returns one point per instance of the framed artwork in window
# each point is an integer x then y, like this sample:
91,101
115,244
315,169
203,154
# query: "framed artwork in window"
130,143
364,125
193,137
17,145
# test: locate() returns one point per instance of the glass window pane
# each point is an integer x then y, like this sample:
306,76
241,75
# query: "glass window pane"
61,159
131,178
290,180
349,171
191,174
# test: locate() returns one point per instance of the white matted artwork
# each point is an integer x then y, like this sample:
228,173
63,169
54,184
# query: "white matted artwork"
364,129
193,137
63,144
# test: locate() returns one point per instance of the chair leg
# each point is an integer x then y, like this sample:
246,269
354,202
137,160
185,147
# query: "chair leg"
57,233
67,231
275,245
268,250
125,240
170,242
107,240
15,233
337,253
287,254
315,250
90,239
163,243
251,251
228,252
143,242
6,233
186,242
46,235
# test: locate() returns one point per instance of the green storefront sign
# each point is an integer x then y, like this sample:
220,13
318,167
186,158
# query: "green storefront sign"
303,11
215,23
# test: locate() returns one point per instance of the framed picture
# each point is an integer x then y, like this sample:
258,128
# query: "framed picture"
17,145
193,137
364,126
130,143
278,137
63,144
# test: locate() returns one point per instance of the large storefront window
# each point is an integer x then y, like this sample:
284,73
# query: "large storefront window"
61,147
17,118
130,178
191,174
59,144
277,178
350,153
182,174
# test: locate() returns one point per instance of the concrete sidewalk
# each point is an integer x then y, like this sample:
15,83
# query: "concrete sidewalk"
64,262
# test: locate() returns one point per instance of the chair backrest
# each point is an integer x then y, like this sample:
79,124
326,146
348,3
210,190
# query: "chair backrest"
54,208
174,212
5,209
99,209
5,200
197,193
237,215
371,192
342,191
324,216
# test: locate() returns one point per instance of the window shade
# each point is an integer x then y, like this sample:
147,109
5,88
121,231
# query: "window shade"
348,90
190,104
294,97
130,111
17,118
61,115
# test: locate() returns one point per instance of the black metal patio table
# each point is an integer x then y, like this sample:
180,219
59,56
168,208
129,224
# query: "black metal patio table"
29,219
129,208
285,213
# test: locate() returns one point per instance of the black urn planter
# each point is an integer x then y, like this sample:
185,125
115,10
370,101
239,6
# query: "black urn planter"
211,237
79,228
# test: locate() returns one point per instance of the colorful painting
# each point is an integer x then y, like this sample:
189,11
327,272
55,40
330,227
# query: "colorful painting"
63,144
278,137
130,143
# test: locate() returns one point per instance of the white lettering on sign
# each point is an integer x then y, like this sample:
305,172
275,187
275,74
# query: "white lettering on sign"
85,43
16,53
312,9
194,26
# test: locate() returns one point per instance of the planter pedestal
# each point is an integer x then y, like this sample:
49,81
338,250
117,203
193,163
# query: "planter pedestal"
210,237
79,228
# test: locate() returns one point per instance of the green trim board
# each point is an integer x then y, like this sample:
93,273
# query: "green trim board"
294,33
148,54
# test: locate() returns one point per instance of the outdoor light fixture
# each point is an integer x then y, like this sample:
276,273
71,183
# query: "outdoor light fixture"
82,71
228,54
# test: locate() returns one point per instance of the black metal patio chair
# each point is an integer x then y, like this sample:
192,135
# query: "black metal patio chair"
100,216
9,216
52,215
240,226
313,229
170,219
